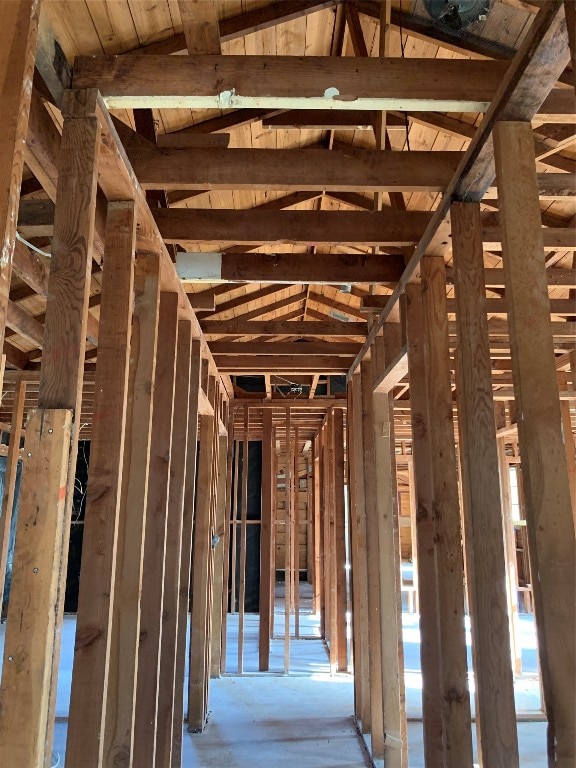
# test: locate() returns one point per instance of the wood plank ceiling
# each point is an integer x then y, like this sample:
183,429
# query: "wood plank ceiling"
298,29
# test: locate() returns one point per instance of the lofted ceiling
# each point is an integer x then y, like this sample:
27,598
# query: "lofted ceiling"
316,228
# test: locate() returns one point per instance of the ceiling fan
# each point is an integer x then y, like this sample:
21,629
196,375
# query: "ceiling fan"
457,14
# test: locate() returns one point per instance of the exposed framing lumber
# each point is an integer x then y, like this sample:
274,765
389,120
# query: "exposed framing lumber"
200,23
29,642
243,540
293,169
340,540
235,327
186,554
93,626
546,491
152,595
533,71
10,477
266,592
447,531
291,268
288,82
220,584
201,587
483,540
19,32
125,638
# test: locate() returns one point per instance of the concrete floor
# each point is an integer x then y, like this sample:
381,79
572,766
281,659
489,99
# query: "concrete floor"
303,719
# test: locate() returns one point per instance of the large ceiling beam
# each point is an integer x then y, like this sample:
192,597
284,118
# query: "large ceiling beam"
288,169
283,348
289,268
331,227
235,327
259,364
290,82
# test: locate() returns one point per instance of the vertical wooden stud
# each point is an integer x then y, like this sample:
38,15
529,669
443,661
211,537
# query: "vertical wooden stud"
549,519
340,540
484,541
125,630
186,555
287,539
373,571
219,585
266,543
243,542
173,557
96,595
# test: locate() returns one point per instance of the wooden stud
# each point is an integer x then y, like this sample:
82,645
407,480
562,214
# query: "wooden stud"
96,594
447,533
125,633
151,600
484,540
549,517
266,597
287,540
173,558
220,586
340,540
359,562
186,555
226,542
295,548
394,710
10,478
568,436
29,641
201,587
373,573
19,32
234,519
427,578
243,542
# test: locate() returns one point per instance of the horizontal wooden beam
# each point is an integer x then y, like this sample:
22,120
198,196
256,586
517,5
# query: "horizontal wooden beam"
311,227
282,328
255,364
356,170
283,348
288,268
493,306
290,82
494,278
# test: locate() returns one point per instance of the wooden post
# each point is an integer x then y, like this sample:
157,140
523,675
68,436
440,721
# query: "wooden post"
10,477
274,531
266,543
315,512
546,486
510,554
17,52
31,625
173,564
226,540
330,543
125,632
287,540
394,710
447,531
201,587
373,571
220,586
61,380
427,577
358,551
484,540
295,549
413,535
186,555
151,600
243,542
340,539
96,596
234,526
